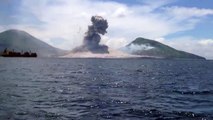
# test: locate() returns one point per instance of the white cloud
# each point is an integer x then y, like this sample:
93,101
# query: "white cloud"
185,12
206,42
68,20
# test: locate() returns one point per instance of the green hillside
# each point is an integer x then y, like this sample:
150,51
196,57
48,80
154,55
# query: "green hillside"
146,47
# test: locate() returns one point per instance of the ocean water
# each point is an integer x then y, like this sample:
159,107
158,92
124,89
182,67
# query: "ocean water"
64,89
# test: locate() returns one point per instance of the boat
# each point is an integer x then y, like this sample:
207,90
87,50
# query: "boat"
8,53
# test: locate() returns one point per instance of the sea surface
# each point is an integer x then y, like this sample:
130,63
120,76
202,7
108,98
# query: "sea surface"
90,89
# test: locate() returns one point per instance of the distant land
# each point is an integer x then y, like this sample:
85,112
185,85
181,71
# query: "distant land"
18,40
152,48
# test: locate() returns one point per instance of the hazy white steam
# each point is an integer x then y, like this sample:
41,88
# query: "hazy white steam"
135,48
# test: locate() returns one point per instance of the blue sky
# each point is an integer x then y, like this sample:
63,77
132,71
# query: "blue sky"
183,24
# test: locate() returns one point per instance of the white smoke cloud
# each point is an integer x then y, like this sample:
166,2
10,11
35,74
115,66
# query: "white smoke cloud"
114,43
132,48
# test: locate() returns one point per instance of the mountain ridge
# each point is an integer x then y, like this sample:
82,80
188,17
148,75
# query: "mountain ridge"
147,47
19,40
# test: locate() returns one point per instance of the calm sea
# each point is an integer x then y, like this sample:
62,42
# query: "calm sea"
64,89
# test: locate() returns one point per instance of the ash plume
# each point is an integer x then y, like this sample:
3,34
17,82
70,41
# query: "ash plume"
92,38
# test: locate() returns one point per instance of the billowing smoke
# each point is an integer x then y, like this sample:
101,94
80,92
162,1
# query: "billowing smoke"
92,38
134,48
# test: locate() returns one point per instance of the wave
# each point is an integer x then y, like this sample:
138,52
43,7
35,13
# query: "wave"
204,92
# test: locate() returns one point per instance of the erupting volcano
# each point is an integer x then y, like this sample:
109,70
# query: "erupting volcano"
92,38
